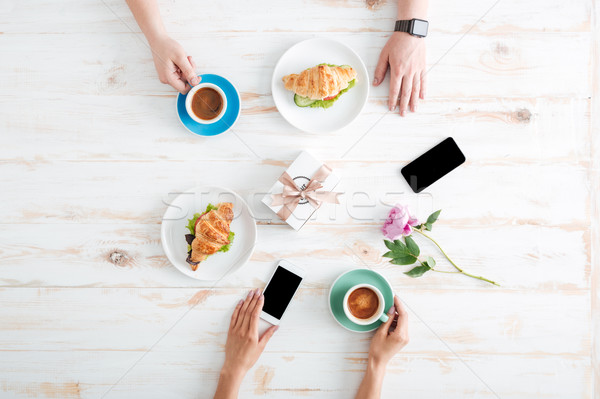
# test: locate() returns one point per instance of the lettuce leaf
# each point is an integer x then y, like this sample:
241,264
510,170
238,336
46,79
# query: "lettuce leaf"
225,248
328,103
192,223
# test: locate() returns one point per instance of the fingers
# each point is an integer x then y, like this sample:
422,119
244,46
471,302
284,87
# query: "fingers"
192,63
423,84
187,70
385,327
405,91
256,314
250,309
381,69
175,81
267,335
402,327
235,315
414,95
395,83
243,312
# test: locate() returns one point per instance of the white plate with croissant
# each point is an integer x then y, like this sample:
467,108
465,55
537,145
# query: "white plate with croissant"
320,85
208,232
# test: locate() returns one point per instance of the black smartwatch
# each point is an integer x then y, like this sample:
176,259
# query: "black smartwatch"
415,27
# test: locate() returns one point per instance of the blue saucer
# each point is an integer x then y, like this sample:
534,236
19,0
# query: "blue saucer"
223,124
348,280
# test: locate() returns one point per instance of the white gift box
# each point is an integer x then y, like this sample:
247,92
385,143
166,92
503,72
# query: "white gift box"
302,171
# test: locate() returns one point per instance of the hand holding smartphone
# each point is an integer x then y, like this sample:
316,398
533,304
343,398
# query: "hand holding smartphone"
280,290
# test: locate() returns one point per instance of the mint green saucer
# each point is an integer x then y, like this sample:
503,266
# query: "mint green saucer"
349,279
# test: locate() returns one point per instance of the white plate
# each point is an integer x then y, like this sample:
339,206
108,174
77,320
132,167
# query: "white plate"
307,54
174,229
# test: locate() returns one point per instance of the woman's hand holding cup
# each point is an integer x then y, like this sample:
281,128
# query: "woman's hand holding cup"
391,336
172,64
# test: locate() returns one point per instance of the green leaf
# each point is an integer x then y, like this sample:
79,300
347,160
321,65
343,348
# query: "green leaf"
412,246
433,217
428,226
403,260
400,253
397,247
430,262
417,271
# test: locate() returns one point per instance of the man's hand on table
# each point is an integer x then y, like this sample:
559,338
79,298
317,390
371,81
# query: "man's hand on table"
244,345
404,55
174,67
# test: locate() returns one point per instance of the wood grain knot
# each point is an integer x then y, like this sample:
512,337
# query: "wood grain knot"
374,4
501,49
113,80
522,115
118,258
366,253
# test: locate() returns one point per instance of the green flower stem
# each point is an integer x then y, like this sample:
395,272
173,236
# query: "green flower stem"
422,262
444,271
454,264
440,248
481,278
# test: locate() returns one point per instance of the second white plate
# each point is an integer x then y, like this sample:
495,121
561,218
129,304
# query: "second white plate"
174,229
307,54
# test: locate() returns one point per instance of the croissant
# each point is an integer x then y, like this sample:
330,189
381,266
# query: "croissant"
212,232
320,81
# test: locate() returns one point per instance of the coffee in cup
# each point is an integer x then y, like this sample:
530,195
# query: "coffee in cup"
206,103
364,304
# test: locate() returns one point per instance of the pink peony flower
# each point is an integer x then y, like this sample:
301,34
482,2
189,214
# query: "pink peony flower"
399,223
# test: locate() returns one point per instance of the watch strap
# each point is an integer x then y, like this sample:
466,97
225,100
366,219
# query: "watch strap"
403,26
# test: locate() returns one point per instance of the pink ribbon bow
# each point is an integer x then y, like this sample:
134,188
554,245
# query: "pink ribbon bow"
292,194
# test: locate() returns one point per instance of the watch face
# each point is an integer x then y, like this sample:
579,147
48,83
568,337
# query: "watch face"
420,27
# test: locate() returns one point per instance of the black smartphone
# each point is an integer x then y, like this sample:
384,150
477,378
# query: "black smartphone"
280,290
433,165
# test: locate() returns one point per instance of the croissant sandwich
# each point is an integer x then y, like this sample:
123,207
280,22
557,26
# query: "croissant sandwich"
209,233
321,85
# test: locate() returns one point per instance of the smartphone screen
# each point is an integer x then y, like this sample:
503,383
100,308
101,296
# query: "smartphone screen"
280,291
431,166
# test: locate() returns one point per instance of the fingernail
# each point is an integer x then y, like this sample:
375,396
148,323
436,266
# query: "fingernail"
392,310
240,302
257,292
375,81
250,294
195,80
262,297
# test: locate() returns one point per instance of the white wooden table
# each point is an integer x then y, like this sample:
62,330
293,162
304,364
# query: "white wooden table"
90,148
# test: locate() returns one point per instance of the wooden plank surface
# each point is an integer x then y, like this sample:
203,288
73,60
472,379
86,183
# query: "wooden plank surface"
92,153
